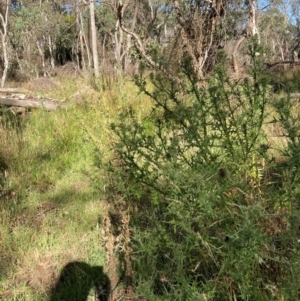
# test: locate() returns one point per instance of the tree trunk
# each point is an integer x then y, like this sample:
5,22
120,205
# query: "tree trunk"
83,64
94,39
5,57
3,32
48,105
127,59
252,30
85,40
235,50
52,51
118,42
84,49
40,46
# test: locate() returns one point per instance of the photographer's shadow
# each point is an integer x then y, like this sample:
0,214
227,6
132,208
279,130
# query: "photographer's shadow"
76,281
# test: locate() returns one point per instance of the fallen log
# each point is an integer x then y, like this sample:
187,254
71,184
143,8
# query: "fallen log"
31,103
12,90
295,95
270,65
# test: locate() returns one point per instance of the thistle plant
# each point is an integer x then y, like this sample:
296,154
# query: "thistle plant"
200,227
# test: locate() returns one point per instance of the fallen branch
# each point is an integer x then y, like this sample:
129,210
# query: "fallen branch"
31,103
12,90
295,95
270,65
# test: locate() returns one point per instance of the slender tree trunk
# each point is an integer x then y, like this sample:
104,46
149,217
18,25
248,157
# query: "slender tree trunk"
83,64
3,33
80,29
40,46
252,30
281,52
5,58
118,42
52,51
104,47
84,41
19,62
127,59
234,52
94,39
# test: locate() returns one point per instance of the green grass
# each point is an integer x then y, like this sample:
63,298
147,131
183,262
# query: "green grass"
51,206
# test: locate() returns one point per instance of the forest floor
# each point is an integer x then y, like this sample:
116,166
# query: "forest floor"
54,213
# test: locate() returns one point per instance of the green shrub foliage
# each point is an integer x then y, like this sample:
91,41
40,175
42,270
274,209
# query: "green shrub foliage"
205,225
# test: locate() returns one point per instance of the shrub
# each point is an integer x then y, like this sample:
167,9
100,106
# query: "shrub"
202,224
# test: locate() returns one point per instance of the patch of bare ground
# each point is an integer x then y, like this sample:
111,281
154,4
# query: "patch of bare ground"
42,84
67,70
80,186
39,276
36,218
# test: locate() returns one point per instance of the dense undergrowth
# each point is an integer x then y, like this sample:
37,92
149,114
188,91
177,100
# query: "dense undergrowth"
213,199
206,173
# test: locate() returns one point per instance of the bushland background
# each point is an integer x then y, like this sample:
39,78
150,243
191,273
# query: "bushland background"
173,163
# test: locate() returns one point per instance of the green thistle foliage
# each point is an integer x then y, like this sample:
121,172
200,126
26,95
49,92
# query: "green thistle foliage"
200,218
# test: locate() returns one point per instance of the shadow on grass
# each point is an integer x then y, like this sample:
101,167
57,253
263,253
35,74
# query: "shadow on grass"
76,281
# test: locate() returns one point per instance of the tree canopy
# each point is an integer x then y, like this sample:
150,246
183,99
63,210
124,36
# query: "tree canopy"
39,35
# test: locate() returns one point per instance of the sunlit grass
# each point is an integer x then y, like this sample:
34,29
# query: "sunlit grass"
51,208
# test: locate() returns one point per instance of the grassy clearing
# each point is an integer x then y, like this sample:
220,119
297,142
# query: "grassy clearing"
51,195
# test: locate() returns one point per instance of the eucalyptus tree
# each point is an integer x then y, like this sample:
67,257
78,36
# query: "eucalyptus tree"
4,13
94,38
280,32
86,43
197,28
136,30
83,56
250,29
295,6
276,34
200,31
42,36
108,34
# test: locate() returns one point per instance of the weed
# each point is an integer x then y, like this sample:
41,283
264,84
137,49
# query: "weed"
203,223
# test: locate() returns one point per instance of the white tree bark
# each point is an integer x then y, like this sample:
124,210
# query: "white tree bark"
40,46
118,44
85,40
127,59
4,40
94,38
252,30
52,50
